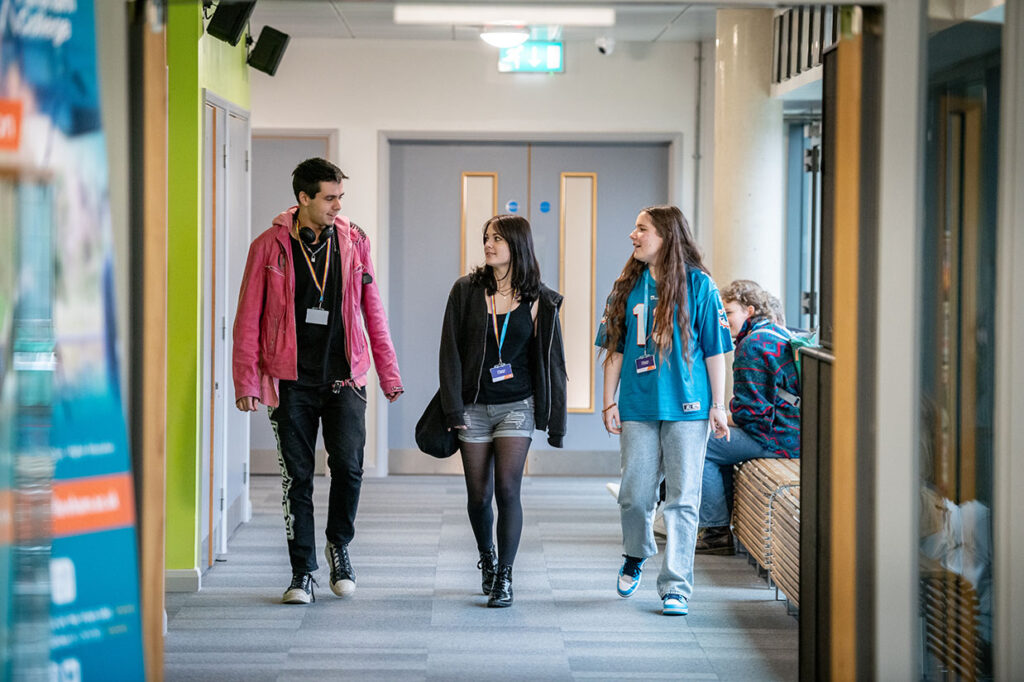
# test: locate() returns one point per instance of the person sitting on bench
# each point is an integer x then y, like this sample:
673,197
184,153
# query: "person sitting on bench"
765,407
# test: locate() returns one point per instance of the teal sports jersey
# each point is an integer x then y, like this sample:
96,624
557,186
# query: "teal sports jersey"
673,390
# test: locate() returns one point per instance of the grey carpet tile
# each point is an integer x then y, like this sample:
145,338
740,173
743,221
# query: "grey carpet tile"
603,676
418,613
342,674
244,672
499,666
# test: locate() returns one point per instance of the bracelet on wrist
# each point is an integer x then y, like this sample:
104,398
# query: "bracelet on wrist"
608,408
720,406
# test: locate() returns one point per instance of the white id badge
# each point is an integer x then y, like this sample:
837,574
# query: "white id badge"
644,363
316,316
501,372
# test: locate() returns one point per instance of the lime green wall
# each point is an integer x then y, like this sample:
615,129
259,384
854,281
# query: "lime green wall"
222,70
195,61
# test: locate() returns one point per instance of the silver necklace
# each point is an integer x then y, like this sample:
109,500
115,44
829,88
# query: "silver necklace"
312,253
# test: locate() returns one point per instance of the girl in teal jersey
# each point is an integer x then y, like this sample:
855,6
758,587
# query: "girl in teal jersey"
665,335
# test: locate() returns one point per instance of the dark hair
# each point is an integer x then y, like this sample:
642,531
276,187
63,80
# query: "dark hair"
524,269
308,175
678,253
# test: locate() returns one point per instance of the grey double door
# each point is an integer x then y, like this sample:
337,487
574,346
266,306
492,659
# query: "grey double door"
428,208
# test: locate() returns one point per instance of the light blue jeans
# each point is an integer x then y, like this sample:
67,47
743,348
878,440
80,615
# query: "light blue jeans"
716,487
674,450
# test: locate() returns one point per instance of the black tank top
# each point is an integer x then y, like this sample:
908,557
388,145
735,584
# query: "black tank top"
515,351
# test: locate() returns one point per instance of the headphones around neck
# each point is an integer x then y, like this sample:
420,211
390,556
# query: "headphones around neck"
308,236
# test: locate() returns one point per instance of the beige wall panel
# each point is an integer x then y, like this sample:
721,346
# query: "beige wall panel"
576,281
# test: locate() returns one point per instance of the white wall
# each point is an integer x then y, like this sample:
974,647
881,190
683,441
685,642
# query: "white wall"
362,88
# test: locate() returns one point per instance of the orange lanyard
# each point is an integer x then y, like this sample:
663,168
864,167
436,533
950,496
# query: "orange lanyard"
321,286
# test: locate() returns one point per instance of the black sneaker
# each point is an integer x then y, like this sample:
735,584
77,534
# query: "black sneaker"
301,589
715,540
488,566
343,578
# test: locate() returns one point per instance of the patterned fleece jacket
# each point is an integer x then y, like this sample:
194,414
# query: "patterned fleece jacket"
762,365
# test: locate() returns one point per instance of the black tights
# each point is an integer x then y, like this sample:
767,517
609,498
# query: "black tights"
507,458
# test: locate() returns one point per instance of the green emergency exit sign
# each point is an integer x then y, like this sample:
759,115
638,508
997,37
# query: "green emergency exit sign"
532,57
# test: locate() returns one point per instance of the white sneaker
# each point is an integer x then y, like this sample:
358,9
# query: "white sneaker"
613,488
674,605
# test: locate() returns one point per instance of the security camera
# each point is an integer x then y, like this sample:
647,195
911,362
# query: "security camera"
605,45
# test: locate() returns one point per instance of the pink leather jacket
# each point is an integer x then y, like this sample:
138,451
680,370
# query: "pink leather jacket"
265,349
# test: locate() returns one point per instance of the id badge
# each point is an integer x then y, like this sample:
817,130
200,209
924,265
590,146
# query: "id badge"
644,363
501,372
316,316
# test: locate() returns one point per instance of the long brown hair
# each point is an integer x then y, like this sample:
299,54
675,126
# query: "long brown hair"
525,271
678,252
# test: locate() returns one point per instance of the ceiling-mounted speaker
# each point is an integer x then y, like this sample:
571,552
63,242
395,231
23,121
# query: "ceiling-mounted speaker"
269,49
229,20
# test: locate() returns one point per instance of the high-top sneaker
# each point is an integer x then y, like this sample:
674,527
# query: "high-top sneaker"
343,578
301,590
488,566
501,593
629,575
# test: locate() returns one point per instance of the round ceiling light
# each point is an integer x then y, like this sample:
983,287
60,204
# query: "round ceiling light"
505,36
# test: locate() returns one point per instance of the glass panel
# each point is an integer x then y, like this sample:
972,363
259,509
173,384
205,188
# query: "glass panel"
479,204
957,372
803,222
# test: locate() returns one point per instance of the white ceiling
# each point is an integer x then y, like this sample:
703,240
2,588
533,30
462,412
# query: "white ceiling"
372,20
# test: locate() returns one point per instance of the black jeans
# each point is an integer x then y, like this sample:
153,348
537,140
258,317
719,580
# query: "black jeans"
296,421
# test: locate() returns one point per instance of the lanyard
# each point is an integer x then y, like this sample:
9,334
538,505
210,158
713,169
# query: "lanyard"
504,327
321,286
641,339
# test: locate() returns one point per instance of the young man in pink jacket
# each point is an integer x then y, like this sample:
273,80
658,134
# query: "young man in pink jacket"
299,348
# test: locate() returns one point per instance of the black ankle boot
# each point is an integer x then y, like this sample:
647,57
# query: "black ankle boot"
488,565
501,593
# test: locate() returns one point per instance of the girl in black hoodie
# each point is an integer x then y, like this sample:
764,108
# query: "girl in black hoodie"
502,372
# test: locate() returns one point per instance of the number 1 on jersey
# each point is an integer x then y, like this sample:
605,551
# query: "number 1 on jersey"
640,311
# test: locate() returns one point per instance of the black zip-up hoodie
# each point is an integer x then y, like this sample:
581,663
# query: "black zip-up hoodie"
461,365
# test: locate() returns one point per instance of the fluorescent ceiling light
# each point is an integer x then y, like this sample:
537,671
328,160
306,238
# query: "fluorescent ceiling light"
503,15
505,37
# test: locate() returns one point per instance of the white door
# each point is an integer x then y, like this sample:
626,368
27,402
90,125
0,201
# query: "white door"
214,337
237,506
225,437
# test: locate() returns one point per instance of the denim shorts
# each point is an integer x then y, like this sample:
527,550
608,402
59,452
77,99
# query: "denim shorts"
484,423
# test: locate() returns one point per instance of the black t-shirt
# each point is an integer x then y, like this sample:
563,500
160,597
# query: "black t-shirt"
321,348
515,351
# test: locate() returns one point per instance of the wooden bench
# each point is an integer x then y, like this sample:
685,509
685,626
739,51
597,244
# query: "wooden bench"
951,612
785,570
766,519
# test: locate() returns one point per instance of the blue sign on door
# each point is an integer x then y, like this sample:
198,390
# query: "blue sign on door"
512,207
545,206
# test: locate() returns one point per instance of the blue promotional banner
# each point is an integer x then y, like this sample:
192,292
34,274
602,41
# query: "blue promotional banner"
68,556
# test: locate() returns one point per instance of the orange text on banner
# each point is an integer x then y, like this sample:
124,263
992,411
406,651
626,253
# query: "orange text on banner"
88,505
10,124
6,517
